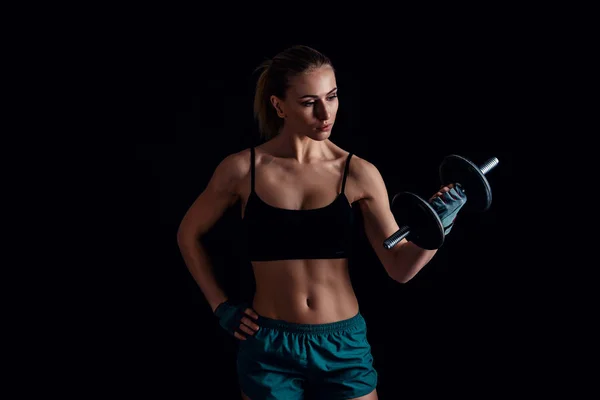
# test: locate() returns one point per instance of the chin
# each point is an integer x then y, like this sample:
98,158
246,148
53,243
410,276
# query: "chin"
320,136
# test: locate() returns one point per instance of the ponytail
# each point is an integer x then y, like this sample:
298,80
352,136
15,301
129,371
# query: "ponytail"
269,122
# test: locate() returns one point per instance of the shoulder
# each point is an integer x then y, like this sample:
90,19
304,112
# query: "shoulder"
361,168
237,163
233,168
366,177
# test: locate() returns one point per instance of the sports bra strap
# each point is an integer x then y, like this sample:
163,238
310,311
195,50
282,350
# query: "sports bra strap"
346,171
251,169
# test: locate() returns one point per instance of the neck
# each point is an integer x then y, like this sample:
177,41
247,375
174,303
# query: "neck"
301,148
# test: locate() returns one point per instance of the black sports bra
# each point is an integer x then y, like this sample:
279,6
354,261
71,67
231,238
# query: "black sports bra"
274,233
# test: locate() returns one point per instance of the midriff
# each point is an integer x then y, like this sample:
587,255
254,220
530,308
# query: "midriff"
304,291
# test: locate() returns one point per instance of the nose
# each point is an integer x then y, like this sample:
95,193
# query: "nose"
322,111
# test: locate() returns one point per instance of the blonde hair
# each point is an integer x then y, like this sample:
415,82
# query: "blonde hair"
274,80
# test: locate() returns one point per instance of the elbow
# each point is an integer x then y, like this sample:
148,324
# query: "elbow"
180,239
185,237
181,236
400,278
397,274
406,264
402,271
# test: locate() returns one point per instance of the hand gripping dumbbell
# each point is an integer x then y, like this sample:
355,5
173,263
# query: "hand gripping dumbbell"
420,223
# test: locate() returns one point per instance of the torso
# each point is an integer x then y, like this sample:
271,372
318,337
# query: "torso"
302,291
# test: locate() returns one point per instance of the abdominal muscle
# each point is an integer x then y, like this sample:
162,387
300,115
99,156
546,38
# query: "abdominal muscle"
304,291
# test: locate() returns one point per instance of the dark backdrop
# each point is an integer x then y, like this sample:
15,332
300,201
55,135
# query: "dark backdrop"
450,329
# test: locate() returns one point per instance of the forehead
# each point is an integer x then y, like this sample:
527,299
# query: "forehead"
318,82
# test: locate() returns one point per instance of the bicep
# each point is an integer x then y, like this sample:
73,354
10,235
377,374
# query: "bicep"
219,194
379,221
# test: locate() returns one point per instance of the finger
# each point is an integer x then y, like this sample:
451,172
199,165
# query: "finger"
246,330
438,194
238,336
251,313
459,191
250,323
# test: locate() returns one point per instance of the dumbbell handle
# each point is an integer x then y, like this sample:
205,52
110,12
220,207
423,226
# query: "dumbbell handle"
405,229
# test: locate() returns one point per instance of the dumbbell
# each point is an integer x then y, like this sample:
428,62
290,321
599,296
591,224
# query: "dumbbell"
420,222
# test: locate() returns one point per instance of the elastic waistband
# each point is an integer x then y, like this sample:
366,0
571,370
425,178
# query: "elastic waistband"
282,325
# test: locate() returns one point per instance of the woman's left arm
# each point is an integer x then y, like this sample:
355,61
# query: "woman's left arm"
403,261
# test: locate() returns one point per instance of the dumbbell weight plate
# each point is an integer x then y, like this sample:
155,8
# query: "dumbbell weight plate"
426,229
457,169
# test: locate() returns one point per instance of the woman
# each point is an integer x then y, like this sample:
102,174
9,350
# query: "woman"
304,329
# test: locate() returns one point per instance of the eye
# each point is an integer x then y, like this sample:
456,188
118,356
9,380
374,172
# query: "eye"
310,103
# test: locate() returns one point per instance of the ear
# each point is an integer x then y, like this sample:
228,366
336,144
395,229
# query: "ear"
278,104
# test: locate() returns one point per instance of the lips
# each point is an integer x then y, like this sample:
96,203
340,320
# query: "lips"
324,127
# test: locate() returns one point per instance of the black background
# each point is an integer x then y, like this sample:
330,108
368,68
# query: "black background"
131,109
403,106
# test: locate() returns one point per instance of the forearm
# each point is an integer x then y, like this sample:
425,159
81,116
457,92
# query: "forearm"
408,261
201,269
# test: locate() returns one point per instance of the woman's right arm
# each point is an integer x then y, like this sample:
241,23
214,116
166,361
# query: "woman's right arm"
220,193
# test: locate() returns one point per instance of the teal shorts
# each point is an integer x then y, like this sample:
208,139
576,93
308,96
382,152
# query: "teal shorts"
283,360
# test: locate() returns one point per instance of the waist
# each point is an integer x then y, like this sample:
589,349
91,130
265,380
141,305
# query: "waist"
355,322
304,291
